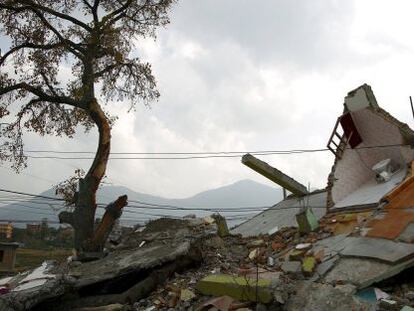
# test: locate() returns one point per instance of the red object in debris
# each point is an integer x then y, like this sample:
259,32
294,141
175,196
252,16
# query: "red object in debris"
4,290
350,130
391,226
222,303
277,246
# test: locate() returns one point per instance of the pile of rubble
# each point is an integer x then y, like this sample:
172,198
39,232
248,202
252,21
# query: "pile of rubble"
195,264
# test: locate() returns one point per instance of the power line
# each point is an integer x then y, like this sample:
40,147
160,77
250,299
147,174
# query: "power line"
190,155
31,195
178,153
125,210
148,205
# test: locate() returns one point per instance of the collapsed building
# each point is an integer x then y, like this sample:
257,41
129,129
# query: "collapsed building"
347,247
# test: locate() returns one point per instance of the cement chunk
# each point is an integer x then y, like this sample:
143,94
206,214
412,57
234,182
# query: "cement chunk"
408,234
381,249
326,266
312,296
356,271
363,272
291,266
237,287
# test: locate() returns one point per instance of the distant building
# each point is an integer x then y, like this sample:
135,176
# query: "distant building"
7,256
6,230
33,228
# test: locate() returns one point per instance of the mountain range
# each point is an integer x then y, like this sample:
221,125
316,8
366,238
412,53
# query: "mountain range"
231,200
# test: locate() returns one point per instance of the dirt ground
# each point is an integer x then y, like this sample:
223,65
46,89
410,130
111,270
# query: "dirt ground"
27,258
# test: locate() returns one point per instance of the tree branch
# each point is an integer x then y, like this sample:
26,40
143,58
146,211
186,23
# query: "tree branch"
87,4
72,46
66,218
42,95
31,46
55,13
120,10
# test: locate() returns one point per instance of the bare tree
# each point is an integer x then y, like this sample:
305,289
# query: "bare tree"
95,40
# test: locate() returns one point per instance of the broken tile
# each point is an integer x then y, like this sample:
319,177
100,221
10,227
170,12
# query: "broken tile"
222,303
277,246
393,224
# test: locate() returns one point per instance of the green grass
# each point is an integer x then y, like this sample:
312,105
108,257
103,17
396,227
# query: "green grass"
27,258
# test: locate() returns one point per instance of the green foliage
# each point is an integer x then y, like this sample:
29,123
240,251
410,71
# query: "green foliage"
60,53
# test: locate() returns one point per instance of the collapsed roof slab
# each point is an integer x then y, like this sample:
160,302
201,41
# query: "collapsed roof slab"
282,215
274,175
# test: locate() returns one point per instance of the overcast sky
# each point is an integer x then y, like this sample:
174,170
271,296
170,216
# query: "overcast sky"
247,75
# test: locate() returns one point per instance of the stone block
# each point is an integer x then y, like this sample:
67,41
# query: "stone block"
291,266
241,288
296,254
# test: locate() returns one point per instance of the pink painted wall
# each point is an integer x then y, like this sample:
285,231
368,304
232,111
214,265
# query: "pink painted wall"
354,168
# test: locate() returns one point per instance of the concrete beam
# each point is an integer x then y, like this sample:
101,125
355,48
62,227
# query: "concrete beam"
274,175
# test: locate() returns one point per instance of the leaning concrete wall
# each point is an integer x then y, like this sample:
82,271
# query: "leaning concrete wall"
354,168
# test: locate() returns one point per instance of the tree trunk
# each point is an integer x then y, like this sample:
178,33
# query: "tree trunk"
83,217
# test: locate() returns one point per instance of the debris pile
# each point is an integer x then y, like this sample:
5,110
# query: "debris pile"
186,265
349,247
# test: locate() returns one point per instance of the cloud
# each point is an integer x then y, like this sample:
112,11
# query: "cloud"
243,75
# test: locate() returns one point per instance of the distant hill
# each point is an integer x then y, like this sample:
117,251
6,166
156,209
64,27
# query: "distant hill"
244,193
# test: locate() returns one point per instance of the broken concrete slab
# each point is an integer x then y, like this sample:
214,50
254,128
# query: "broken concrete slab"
326,266
332,245
311,296
127,274
32,287
380,249
240,288
363,272
407,235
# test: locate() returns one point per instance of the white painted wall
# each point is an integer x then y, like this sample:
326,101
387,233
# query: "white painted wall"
354,168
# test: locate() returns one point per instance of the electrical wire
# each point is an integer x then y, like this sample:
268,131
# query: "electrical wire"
189,155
